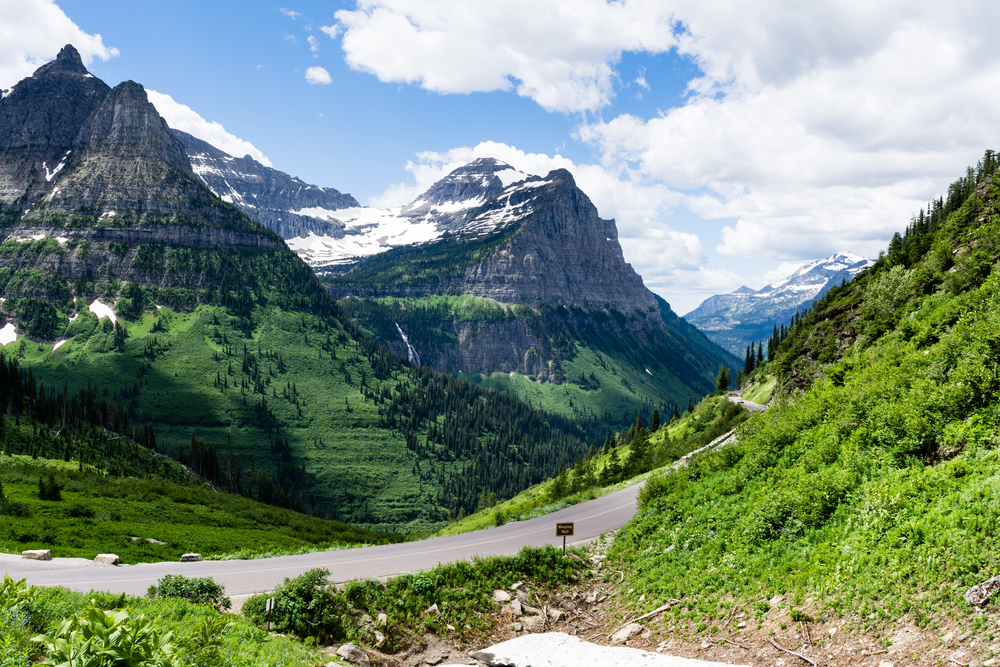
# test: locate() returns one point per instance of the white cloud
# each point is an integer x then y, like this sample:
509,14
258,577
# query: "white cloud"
331,30
289,13
313,43
33,31
560,53
318,75
183,118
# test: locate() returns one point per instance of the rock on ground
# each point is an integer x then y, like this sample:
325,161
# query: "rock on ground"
555,649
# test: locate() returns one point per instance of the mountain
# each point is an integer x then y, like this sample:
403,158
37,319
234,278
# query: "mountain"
195,331
516,282
747,316
273,198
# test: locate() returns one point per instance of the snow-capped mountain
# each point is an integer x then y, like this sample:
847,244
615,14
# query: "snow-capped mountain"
480,198
746,316
271,197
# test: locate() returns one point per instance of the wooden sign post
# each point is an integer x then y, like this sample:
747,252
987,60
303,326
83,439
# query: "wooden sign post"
562,530
268,607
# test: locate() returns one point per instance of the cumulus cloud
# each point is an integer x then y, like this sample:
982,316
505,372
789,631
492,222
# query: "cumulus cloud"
318,75
818,130
808,129
33,31
185,119
313,43
560,53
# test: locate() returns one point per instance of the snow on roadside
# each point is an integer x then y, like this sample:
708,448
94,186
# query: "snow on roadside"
557,649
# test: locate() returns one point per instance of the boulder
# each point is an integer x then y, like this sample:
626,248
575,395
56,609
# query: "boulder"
515,608
106,559
501,596
533,623
980,593
190,558
556,614
626,633
531,611
37,554
352,653
379,639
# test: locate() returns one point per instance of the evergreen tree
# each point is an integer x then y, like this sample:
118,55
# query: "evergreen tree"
677,414
654,423
760,352
723,379
748,361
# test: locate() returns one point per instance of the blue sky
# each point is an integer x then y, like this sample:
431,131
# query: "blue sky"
729,140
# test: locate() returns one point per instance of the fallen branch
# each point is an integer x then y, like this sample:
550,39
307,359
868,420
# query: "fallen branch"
658,610
730,641
797,655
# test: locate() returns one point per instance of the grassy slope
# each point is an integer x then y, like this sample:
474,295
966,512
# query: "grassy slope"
337,444
873,494
100,514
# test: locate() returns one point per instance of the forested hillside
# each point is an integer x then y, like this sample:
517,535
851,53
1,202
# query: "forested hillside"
126,281
868,492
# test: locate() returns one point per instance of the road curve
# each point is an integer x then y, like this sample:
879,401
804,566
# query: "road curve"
242,577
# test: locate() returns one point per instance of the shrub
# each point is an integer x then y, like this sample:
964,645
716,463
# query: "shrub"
200,590
308,606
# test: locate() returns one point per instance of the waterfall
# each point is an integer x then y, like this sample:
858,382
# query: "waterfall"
411,354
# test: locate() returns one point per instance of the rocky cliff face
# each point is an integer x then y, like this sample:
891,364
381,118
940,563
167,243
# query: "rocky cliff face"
563,254
280,202
40,120
95,186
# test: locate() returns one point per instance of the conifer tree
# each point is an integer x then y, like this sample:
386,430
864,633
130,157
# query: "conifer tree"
654,423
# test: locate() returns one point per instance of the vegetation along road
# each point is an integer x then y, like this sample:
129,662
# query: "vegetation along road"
248,576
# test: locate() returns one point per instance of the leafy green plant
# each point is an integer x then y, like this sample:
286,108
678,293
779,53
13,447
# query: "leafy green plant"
98,638
200,590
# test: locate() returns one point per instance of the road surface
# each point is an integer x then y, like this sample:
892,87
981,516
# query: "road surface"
243,577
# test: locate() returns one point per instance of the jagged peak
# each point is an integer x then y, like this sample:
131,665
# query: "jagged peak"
67,62
126,124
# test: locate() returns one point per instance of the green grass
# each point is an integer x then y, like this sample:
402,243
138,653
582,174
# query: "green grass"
237,643
871,490
100,514
760,391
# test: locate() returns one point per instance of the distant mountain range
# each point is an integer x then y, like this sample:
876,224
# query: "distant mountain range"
746,316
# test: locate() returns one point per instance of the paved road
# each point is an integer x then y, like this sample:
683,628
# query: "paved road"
252,576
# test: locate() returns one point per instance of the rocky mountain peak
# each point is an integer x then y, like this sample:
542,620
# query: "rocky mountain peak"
477,182
127,125
67,62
